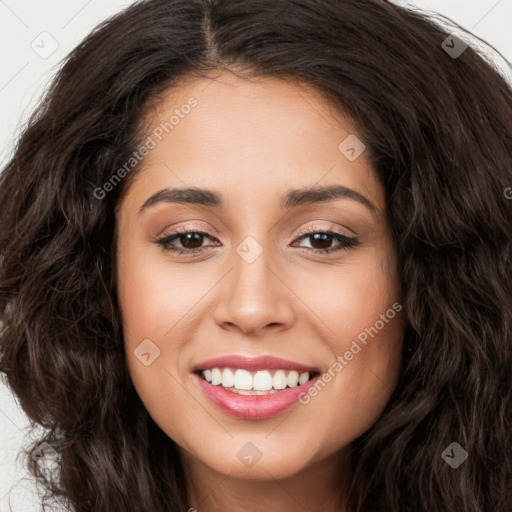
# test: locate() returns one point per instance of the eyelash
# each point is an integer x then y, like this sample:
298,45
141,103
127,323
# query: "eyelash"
347,243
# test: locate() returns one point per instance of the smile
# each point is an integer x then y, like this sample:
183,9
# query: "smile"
262,382
253,388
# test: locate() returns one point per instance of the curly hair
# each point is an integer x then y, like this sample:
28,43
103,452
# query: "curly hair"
438,129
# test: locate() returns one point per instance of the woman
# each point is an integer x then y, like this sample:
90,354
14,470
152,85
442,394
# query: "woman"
256,256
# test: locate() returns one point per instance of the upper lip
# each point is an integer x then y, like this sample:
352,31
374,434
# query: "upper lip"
253,363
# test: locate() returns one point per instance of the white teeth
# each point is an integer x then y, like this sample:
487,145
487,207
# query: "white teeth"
261,382
303,378
293,379
252,392
228,378
279,381
216,376
243,380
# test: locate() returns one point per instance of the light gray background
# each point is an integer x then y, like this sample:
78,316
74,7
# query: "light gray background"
34,37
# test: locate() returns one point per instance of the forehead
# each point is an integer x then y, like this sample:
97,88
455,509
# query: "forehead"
250,137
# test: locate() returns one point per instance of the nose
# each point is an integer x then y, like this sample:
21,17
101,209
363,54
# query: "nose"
255,296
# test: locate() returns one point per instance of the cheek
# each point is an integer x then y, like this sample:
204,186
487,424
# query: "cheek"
365,328
150,305
154,296
352,297
358,383
157,303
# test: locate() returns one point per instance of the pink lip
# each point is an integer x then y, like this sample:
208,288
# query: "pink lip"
253,363
253,407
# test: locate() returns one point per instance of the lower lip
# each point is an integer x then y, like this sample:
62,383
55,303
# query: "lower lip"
253,407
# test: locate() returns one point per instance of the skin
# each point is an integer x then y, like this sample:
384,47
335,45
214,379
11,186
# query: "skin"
251,141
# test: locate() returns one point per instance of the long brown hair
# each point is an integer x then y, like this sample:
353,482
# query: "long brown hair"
438,128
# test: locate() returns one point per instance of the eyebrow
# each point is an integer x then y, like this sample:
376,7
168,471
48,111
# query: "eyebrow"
292,199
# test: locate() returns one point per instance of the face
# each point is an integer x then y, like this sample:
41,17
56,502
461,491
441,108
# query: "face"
282,285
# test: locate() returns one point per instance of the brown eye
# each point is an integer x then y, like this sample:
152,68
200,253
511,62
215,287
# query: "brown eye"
191,240
321,241
185,242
